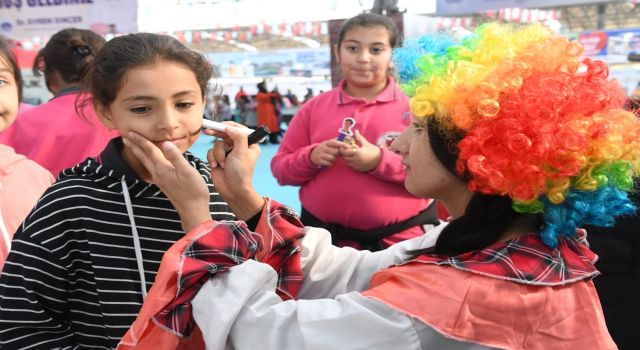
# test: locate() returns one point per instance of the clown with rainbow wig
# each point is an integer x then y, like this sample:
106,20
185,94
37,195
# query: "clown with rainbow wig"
522,140
533,122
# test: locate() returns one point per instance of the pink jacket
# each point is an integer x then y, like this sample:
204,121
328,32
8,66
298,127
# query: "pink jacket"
338,194
55,136
22,182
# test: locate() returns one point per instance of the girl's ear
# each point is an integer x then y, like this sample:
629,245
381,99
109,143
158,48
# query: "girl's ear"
105,116
336,52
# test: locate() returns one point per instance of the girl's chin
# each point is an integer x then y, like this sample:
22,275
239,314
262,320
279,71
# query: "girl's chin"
363,82
361,78
182,145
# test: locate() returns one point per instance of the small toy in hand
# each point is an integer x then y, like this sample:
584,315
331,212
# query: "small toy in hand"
346,132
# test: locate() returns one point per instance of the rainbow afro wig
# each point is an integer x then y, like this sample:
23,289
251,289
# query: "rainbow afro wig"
538,124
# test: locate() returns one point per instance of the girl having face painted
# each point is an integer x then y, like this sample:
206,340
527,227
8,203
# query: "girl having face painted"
82,263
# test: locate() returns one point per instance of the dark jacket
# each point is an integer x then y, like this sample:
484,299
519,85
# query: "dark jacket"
72,279
618,287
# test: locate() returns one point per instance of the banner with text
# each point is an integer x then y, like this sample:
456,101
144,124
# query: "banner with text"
28,19
466,7
611,46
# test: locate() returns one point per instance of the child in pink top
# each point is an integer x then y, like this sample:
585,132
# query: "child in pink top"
22,181
356,185
523,146
53,134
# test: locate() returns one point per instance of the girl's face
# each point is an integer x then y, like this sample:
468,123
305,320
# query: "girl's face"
365,56
162,102
8,94
426,176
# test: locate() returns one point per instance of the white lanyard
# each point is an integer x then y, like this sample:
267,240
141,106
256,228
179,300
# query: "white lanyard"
6,238
136,240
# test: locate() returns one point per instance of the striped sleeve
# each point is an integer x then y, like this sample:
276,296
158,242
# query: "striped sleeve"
33,294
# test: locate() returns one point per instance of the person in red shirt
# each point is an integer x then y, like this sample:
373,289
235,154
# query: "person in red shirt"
266,111
239,94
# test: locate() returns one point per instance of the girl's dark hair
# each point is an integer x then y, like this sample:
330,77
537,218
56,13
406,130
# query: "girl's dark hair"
68,52
105,74
261,86
5,52
486,218
371,20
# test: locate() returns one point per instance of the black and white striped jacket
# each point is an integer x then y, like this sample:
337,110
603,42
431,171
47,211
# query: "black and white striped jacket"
72,279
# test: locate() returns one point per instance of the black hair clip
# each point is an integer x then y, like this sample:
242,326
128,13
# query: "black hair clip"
82,50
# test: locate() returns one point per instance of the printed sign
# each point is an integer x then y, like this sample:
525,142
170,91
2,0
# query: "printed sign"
612,46
27,19
594,43
466,7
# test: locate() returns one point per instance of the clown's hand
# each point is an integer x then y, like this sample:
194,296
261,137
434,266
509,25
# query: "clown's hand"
232,162
363,157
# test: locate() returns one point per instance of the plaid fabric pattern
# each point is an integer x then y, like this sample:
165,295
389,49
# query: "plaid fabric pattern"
229,243
526,259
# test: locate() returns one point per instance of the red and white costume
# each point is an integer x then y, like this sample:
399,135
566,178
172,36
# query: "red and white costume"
517,295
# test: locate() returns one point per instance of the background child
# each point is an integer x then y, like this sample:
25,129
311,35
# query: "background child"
266,111
22,181
349,188
250,117
53,134
80,267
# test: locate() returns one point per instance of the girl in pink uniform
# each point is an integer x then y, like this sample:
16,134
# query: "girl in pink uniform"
355,189
55,134
22,181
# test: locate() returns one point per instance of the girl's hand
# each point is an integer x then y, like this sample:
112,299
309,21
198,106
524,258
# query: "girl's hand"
232,172
178,180
325,153
364,157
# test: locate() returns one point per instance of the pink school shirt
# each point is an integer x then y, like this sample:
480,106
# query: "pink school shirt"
22,182
339,194
55,136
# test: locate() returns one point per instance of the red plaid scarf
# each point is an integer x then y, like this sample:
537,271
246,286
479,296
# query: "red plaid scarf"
230,243
526,259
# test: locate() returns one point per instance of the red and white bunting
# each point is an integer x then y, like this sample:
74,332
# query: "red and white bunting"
245,34
525,15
